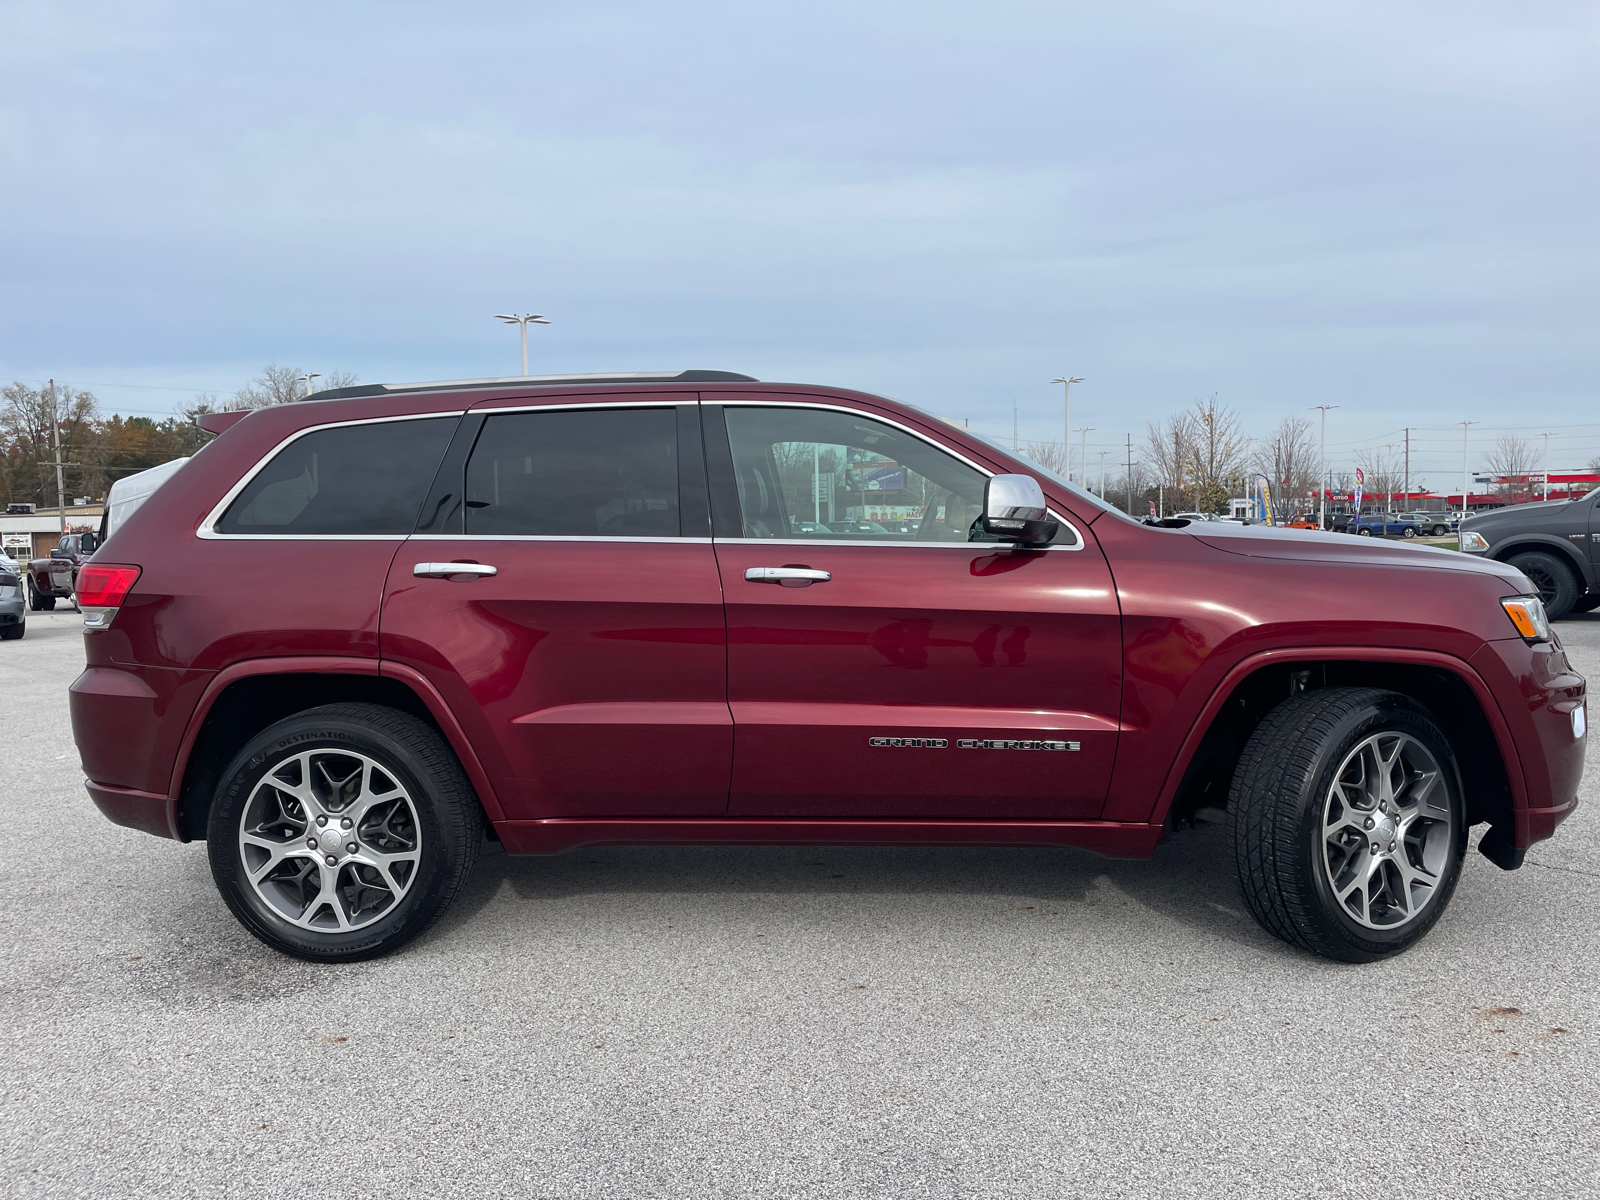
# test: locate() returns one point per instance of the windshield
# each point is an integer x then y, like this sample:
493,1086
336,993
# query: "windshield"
1078,493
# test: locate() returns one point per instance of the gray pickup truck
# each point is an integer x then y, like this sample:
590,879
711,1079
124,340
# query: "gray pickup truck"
1556,544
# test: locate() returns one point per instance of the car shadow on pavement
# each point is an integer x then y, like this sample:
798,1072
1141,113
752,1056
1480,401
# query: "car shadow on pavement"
1189,880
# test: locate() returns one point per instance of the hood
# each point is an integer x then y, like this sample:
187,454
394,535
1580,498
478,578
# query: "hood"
1315,545
1516,512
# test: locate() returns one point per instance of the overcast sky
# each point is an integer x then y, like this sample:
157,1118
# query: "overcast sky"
1386,206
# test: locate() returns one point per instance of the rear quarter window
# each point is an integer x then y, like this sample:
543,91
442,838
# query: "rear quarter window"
351,479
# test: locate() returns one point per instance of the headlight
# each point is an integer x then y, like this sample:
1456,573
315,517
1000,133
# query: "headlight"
1527,614
1471,541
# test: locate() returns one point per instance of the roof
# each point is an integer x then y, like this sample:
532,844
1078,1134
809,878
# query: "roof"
384,389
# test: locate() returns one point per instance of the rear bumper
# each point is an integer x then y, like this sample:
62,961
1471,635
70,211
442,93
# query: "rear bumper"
127,723
145,811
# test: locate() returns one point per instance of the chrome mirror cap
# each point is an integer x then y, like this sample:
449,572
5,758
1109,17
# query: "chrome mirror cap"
1014,508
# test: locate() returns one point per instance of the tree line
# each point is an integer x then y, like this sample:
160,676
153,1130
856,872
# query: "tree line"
1198,459
100,449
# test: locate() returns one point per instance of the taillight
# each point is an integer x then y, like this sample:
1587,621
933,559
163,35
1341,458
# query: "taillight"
101,588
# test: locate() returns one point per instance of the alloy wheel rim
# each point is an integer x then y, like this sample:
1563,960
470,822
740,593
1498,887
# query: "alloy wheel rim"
329,840
1542,580
1387,831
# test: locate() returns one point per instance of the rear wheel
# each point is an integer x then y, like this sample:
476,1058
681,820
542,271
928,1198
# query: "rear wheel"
37,600
1558,585
11,633
1347,823
343,832
1408,531
1363,532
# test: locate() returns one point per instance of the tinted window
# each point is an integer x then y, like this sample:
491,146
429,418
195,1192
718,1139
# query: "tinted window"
354,479
609,472
819,475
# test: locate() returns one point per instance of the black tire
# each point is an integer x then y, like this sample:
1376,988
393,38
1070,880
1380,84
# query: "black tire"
1440,530
1363,532
1277,807
443,811
39,601
1408,532
1558,584
12,633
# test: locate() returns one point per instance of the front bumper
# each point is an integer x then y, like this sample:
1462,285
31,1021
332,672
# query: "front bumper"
1537,690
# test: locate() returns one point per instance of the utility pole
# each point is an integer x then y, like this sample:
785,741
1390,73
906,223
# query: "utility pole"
1066,382
1102,474
1405,498
1130,474
1464,425
1324,483
1084,457
523,322
1014,427
1546,438
61,487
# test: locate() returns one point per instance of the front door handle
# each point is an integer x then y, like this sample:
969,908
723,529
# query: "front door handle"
446,570
788,576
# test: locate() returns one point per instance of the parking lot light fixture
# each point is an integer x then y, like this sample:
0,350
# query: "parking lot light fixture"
1323,482
1066,382
1464,427
522,321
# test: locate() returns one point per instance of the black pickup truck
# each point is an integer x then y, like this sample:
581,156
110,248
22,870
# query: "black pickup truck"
1555,543
55,578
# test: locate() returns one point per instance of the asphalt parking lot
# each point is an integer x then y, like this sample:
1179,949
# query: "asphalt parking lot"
781,1022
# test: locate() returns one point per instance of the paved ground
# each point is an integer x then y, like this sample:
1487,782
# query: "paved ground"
777,1022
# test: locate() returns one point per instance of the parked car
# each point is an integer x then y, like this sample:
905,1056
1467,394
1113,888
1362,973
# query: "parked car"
1383,525
55,578
1434,524
361,630
13,603
856,527
1555,543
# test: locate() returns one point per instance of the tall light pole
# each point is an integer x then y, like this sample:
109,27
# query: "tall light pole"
1066,382
308,377
1546,438
1464,425
1083,455
1323,482
523,321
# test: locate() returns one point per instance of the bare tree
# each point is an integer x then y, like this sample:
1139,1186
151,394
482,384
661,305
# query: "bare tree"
1048,455
1288,458
281,385
1168,456
1512,461
1385,476
1218,450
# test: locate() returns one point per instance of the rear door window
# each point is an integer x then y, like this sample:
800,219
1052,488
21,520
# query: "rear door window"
610,472
350,479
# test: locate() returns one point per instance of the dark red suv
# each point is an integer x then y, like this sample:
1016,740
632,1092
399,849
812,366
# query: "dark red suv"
357,635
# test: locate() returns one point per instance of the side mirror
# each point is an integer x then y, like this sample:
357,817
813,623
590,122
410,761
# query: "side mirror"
1014,509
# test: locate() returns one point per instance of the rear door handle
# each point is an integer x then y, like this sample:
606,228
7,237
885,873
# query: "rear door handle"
800,575
446,570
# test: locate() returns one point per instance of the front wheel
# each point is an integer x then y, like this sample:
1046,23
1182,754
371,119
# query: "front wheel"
1347,823
343,832
1557,583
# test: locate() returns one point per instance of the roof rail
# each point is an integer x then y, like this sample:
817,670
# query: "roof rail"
384,389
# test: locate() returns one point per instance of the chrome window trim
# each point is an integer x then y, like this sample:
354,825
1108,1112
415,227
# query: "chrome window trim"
1082,543
596,538
208,526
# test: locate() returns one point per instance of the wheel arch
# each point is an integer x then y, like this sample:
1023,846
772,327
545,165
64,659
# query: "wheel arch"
1542,541
1468,715
247,697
